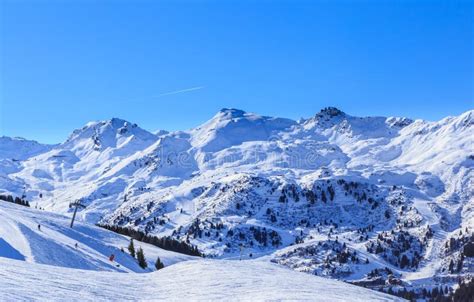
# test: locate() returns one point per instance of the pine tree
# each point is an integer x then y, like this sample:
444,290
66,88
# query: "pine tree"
451,266
141,258
158,264
404,262
323,196
131,248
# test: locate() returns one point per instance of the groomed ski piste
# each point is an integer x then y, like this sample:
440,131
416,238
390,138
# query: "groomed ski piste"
44,265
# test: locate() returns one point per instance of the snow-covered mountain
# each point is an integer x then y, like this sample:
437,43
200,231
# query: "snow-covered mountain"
43,264
17,148
383,202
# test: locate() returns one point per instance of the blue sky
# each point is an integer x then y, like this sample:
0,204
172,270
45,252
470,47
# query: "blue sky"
64,63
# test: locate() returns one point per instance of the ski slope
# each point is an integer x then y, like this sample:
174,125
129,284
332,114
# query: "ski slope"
54,244
199,280
44,265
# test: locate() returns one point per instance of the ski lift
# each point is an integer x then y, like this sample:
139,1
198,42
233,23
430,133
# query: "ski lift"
23,196
77,204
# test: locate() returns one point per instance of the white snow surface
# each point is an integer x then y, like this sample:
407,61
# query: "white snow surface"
204,280
54,243
233,170
43,265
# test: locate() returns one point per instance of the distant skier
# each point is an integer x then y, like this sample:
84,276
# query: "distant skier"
75,245
112,257
39,227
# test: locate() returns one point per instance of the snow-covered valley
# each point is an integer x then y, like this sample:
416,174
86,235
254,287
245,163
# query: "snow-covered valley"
385,203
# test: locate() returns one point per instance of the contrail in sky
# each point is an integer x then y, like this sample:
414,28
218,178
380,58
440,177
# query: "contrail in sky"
179,91
138,99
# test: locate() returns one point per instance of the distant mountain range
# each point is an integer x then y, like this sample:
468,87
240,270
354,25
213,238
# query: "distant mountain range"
377,201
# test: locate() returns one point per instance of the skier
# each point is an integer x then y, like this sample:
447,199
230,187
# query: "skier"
75,245
39,227
112,257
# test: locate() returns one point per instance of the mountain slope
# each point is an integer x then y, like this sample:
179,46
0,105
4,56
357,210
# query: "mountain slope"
393,191
54,243
192,280
17,148
43,264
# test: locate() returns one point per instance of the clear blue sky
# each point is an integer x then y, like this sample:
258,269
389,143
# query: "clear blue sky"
64,63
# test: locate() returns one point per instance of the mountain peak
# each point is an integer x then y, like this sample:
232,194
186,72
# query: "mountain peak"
232,127
331,112
327,117
113,123
231,113
109,132
117,122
